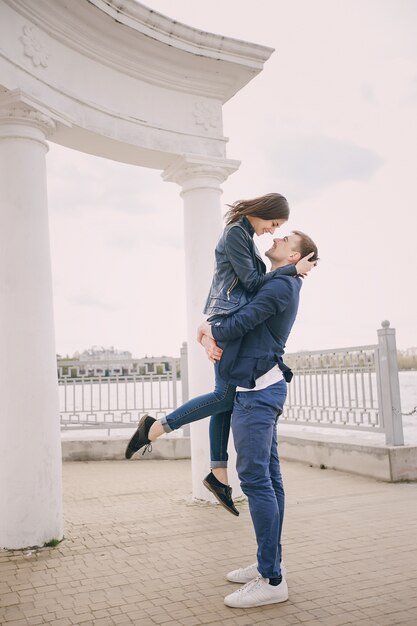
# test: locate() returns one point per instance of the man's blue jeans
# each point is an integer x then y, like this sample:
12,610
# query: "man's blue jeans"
218,404
254,419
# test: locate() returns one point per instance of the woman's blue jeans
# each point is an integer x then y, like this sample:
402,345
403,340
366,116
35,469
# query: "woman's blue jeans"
218,404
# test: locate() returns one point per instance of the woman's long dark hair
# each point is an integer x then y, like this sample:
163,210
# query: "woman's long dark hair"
272,206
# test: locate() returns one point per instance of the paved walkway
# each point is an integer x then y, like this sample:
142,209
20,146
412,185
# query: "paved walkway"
138,552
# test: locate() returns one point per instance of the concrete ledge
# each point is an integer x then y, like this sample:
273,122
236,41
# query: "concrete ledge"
113,449
388,463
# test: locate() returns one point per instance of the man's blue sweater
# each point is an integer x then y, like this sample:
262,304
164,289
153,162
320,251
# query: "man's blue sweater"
254,337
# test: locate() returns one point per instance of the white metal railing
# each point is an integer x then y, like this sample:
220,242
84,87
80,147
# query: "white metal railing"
355,388
334,388
351,388
117,401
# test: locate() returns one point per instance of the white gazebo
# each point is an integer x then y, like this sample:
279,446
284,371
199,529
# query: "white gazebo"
115,79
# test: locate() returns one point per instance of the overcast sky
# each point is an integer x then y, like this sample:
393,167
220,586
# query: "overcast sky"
330,122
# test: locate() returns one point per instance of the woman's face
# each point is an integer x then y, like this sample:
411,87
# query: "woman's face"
262,226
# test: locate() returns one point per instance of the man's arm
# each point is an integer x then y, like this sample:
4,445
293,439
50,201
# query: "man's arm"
271,299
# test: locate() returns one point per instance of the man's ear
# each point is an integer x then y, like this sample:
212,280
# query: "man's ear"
294,257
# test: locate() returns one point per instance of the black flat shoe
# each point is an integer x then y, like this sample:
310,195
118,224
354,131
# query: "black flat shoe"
223,493
140,437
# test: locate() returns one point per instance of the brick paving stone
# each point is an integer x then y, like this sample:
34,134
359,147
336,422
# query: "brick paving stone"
82,618
336,620
142,621
122,619
13,612
190,621
137,551
9,599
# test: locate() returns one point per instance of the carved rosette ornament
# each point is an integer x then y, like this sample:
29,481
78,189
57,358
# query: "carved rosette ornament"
33,47
206,114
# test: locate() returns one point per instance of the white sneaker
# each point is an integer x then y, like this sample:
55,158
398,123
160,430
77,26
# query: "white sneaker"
257,592
246,574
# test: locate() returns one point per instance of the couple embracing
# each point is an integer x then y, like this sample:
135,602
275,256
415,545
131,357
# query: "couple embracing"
251,313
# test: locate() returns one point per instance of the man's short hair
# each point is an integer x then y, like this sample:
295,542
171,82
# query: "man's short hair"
306,245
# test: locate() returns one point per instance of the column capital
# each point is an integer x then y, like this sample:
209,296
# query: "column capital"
196,172
18,109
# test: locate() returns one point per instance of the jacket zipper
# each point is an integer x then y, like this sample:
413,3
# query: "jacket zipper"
232,286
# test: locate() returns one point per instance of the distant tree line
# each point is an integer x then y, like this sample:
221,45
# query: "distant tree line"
407,362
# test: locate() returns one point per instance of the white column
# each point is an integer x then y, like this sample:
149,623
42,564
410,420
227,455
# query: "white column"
30,445
200,180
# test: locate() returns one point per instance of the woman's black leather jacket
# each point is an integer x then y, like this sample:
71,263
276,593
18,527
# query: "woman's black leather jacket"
239,270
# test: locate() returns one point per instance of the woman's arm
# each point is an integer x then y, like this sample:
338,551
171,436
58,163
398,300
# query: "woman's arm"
214,353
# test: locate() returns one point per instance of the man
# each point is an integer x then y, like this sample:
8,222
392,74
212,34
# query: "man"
256,337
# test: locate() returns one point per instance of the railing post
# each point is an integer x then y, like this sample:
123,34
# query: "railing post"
184,372
174,383
184,382
389,386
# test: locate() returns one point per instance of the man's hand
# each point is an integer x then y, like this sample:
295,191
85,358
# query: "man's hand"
304,265
203,329
214,353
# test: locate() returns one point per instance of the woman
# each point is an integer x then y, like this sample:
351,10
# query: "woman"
239,271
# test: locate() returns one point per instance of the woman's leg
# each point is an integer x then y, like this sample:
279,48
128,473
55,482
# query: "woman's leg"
218,481
219,400
219,437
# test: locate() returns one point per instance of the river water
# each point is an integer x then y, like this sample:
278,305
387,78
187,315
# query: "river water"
408,390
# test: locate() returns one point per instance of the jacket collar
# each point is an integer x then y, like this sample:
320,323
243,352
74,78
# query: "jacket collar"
247,225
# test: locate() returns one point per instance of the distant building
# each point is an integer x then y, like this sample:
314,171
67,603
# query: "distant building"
98,353
99,361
